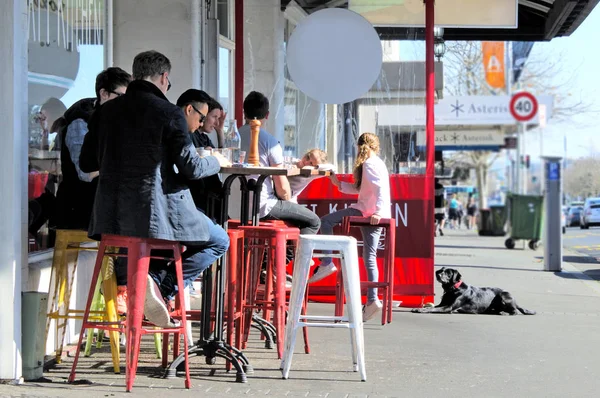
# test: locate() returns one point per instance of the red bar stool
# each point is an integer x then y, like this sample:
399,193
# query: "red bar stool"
273,239
138,256
233,224
386,282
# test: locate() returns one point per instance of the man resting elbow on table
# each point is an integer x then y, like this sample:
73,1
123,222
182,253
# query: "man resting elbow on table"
275,194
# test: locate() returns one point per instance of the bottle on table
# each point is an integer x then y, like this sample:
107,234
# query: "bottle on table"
233,141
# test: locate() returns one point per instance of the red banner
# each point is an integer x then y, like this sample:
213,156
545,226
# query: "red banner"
412,208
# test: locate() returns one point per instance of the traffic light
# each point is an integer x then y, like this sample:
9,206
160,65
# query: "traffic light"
527,161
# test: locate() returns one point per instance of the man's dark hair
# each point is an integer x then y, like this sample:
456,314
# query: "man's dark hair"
194,97
214,104
111,78
256,106
150,64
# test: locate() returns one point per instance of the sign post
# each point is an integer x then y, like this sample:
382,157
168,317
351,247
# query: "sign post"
553,227
523,107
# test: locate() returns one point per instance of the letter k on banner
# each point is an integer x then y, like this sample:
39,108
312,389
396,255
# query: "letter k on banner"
493,63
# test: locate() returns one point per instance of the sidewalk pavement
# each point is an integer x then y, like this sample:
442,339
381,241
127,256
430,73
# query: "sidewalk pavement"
555,353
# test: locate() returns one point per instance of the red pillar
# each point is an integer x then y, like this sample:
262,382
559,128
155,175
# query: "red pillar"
239,62
430,103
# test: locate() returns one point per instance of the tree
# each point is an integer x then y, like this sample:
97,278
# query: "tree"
582,177
464,75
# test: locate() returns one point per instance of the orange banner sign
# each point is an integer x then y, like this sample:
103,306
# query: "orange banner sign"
493,63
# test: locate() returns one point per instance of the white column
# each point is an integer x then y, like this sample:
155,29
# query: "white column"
13,174
164,26
264,58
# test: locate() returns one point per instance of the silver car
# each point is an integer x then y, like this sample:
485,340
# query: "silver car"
590,216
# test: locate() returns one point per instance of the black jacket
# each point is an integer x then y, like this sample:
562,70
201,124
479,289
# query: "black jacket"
74,198
140,144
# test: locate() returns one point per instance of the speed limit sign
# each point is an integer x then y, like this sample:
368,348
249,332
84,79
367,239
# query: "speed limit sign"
523,106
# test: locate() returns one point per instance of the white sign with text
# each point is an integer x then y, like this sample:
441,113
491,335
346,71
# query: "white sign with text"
458,111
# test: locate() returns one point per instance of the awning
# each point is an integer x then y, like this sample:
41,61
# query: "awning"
538,20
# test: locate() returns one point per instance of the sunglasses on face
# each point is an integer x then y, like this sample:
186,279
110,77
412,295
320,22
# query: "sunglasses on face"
115,93
202,116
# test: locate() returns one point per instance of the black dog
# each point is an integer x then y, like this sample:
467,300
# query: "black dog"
462,298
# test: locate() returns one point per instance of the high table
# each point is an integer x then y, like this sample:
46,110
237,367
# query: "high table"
212,344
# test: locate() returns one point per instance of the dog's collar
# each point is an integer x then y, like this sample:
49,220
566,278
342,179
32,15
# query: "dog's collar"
457,284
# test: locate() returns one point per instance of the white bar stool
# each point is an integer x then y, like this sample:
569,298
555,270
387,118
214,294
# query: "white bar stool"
346,249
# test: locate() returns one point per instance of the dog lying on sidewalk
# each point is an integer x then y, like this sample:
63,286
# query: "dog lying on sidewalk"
465,299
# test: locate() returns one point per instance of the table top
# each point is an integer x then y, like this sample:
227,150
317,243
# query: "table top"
43,154
251,170
274,171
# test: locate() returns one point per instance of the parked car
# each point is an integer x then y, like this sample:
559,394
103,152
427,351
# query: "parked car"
574,216
590,216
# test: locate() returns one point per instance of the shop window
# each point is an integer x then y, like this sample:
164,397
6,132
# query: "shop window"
225,17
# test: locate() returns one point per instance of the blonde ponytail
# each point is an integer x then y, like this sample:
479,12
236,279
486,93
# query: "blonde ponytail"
365,142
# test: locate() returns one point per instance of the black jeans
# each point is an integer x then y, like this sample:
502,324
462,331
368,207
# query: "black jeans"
296,215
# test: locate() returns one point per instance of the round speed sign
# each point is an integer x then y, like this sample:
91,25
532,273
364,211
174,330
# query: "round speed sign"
523,106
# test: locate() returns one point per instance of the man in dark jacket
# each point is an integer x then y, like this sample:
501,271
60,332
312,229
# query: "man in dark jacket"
140,144
75,196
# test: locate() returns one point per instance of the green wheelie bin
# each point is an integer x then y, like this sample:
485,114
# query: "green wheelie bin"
525,214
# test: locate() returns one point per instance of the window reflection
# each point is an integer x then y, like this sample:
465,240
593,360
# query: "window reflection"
225,78
65,52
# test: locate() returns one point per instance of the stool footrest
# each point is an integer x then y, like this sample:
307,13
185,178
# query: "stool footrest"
325,325
324,318
330,255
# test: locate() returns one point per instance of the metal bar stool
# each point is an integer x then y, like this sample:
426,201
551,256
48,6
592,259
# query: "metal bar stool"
347,252
66,250
272,238
138,256
386,283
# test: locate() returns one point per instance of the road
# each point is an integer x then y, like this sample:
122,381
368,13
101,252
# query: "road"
585,241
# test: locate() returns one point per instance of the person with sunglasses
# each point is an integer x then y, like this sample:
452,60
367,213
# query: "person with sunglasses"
194,103
141,145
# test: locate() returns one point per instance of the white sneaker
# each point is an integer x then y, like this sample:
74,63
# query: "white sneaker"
371,310
155,308
323,272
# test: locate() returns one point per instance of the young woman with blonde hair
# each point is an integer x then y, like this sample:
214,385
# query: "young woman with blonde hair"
372,184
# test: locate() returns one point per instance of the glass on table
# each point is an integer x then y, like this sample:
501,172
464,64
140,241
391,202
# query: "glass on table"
242,156
288,159
226,152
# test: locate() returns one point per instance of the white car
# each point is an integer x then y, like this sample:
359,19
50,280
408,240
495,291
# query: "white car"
590,216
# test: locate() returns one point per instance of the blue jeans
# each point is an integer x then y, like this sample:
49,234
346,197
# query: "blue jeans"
197,257
370,236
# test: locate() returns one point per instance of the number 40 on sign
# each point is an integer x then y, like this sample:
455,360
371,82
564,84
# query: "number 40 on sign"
523,106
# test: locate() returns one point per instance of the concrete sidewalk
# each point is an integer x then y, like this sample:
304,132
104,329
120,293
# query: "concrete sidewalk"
553,354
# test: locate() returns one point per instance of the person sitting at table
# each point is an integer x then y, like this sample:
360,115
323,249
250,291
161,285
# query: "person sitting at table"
215,121
75,196
372,184
208,188
141,145
275,195
312,158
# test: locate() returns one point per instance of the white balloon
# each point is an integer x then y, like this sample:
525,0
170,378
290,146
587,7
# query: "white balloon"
334,56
